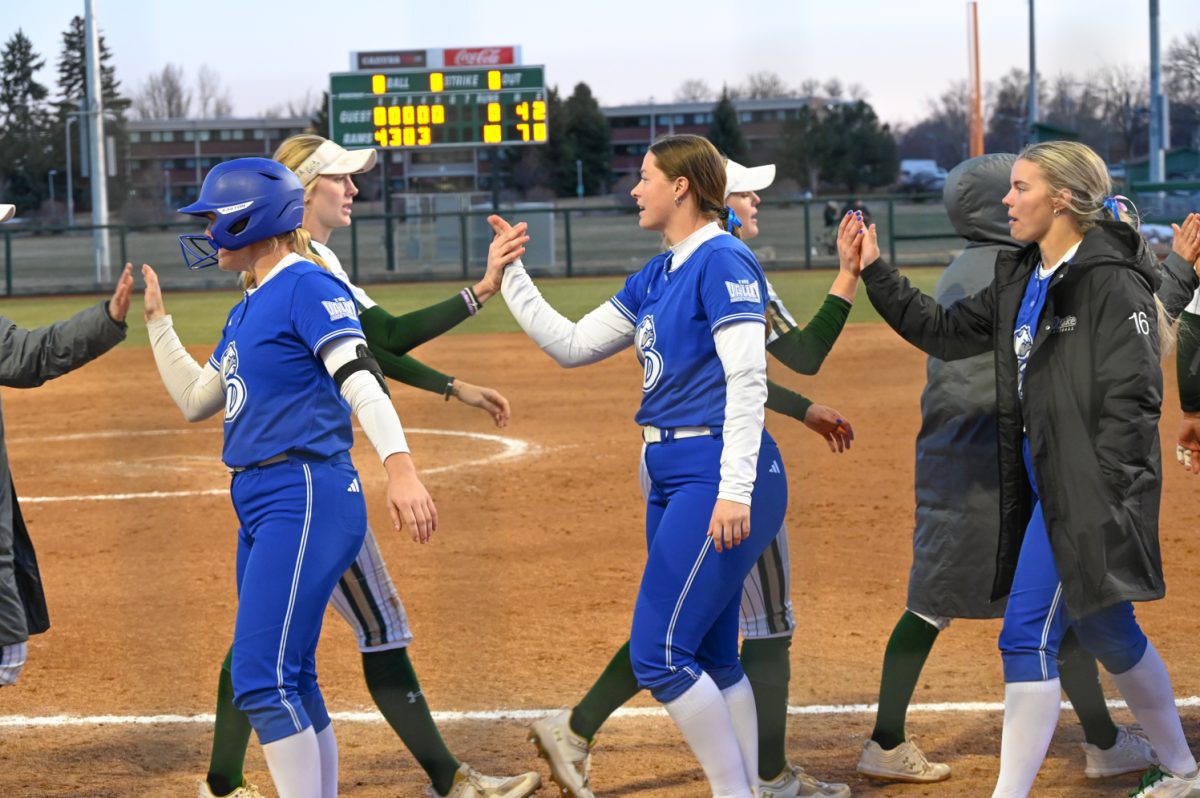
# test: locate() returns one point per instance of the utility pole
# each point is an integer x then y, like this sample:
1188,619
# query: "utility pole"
975,145
1158,105
1032,114
95,123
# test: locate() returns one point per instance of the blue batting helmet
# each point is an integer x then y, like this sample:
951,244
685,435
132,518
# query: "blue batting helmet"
251,199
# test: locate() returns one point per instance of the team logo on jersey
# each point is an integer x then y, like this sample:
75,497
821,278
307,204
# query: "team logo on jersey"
340,308
1063,324
743,291
235,386
652,361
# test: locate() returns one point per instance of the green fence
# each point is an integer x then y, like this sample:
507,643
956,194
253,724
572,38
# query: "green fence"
567,240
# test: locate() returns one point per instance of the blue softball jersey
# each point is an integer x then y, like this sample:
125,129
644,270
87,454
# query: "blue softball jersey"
675,315
278,396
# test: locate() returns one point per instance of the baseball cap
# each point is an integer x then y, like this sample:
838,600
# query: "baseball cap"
333,159
747,178
6,212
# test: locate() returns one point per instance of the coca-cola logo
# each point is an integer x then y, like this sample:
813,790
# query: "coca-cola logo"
480,56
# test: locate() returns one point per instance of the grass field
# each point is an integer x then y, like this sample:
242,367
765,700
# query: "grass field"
198,315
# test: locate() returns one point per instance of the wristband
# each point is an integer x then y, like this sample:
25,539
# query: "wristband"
450,390
472,301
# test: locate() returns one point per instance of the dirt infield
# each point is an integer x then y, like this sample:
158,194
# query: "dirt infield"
522,597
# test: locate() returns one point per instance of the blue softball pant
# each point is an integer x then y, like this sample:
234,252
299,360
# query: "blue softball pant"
685,621
1036,620
302,523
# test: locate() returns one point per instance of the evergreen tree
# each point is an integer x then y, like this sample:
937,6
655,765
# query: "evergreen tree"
859,152
320,116
725,132
72,90
589,136
24,156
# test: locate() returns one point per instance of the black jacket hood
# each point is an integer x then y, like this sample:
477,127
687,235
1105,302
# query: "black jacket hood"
972,197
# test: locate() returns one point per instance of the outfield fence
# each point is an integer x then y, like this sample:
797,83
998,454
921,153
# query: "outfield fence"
566,240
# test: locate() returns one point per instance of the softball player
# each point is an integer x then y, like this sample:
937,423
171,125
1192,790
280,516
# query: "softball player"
957,488
365,596
696,314
290,361
1079,374
28,359
765,615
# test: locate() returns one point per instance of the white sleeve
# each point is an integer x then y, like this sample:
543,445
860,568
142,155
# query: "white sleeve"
741,346
366,397
196,389
600,334
1195,306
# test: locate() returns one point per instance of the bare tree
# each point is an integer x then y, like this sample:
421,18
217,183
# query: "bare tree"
857,91
1182,66
834,89
211,97
163,95
765,84
694,90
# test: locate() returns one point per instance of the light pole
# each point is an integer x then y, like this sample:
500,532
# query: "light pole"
578,178
167,189
50,179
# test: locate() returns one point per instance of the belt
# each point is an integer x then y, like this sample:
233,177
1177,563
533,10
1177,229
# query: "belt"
279,458
659,435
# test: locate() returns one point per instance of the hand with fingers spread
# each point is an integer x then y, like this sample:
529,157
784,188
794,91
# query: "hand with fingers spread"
507,245
486,399
729,525
1187,448
118,306
409,504
152,300
829,424
1187,238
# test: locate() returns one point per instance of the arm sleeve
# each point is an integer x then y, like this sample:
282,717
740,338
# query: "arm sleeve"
30,357
958,331
196,389
372,407
600,334
787,402
1127,374
1179,283
1187,362
399,334
804,350
740,347
410,371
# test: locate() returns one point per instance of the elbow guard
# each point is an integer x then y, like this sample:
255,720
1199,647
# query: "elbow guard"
364,362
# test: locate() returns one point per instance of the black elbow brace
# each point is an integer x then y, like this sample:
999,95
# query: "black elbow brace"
364,362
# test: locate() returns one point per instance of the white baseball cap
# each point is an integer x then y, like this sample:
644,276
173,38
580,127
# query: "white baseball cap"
333,159
6,212
747,178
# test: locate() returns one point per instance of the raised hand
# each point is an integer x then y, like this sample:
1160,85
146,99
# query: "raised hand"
507,245
829,424
118,306
152,301
849,244
870,246
1187,238
486,399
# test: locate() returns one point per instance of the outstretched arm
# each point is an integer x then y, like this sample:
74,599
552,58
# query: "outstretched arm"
197,390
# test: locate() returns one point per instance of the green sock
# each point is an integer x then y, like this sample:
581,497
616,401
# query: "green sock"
231,735
394,686
769,670
907,649
614,687
1081,682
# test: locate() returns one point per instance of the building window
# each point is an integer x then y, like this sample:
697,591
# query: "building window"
134,138
260,134
155,136
189,163
643,121
745,116
679,119
168,136
239,135
189,135
204,135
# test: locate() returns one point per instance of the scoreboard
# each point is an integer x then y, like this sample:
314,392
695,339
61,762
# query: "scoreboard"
404,108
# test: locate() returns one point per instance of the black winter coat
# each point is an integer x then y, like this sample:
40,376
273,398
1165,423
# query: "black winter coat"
1093,396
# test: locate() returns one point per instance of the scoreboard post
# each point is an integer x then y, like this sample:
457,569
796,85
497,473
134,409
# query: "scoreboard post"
420,108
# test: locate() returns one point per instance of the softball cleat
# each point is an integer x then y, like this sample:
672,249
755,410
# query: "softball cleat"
568,755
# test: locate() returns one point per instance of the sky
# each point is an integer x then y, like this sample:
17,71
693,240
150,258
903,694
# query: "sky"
903,52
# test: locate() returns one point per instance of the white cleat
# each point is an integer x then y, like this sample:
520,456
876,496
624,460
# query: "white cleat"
568,755
470,783
1131,753
794,782
905,762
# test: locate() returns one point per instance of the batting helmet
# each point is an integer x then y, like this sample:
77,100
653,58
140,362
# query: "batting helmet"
251,199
